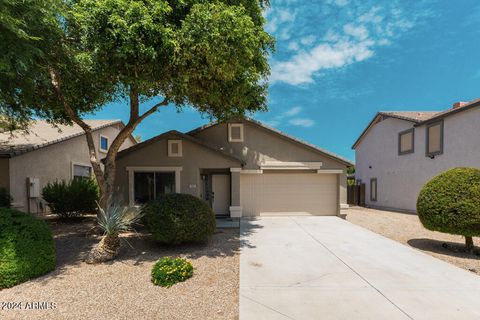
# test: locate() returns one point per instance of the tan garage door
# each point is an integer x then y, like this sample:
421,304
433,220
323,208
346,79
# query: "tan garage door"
288,194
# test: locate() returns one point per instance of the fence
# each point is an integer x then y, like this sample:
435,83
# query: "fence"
356,195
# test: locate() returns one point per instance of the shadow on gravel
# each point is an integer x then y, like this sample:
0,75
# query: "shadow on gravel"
454,249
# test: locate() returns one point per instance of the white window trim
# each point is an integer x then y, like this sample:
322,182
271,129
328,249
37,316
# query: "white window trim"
100,143
131,171
235,125
73,163
180,148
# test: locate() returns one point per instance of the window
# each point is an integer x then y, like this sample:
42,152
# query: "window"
434,139
373,189
151,185
406,141
81,172
174,148
103,144
235,132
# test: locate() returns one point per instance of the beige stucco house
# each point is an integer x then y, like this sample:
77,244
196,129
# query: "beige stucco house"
28,161
241,168
399,152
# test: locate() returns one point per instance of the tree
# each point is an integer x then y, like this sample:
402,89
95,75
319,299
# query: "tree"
450,203
211,55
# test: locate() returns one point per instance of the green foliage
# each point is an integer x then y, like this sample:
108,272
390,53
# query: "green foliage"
5,198
168,271
26,247
178,218
71,199
450,202
189,52
117,219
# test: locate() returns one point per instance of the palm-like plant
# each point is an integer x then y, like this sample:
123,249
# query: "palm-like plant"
113,221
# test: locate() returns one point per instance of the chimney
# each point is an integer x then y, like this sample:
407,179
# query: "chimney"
459,104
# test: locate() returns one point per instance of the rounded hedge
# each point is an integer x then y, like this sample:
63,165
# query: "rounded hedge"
450,202
26,247
177,218
168,271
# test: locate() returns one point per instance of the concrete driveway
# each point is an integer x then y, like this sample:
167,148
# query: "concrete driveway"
327,268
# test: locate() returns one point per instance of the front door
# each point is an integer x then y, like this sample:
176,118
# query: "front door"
221,194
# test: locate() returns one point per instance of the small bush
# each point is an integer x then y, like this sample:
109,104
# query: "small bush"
26,247
5,198
71,199
450,203
178,218
168,271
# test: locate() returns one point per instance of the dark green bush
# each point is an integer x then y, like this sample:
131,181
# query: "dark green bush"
168,271
26,247
5,198
177,218
71,199
450,202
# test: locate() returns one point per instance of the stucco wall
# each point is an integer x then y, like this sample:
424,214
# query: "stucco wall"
4,173
400,178
52,163
261,145
194,158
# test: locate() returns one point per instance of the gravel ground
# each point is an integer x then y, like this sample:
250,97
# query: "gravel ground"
122,289
407,229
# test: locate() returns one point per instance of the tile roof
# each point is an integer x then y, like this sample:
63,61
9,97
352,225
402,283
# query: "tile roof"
41,134
415,116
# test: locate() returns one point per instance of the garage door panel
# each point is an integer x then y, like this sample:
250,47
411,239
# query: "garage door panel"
289,194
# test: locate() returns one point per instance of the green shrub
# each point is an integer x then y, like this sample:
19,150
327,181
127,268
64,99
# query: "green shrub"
450,203
5,198
177,218
71,199
168,271
26,247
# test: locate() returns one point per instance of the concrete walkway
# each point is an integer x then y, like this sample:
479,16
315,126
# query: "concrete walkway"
327,268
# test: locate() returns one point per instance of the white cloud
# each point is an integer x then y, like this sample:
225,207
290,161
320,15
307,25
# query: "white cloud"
301,68
292,112
302,122
348,31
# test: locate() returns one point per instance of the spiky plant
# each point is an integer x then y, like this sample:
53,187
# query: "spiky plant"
113,221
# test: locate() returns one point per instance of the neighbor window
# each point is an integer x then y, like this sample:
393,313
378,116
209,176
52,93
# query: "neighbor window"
434,139
149,186
406,142
174,148
235,132
103,143
81,172
373,189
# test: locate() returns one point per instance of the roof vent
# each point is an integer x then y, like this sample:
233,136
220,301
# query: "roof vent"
459,104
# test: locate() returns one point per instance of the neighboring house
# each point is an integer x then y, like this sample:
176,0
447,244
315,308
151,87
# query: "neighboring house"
28,161
400,151
241,168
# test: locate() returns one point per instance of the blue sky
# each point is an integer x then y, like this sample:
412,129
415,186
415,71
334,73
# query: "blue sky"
338,62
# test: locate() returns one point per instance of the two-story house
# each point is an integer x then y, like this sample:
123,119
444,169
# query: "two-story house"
399,152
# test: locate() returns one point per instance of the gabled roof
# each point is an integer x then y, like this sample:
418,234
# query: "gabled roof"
419,118
41,134
412,116
263,126
183,136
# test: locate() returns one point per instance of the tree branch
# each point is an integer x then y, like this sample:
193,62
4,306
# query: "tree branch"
97,169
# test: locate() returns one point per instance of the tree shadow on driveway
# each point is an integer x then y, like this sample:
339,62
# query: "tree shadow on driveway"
454,249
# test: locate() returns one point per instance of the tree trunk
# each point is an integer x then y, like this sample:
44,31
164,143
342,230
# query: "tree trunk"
107,249
469,244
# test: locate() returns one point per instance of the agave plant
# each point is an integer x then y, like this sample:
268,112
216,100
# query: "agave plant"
113,221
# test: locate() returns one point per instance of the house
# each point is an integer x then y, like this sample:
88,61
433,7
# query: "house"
241,168
28,161
399,152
